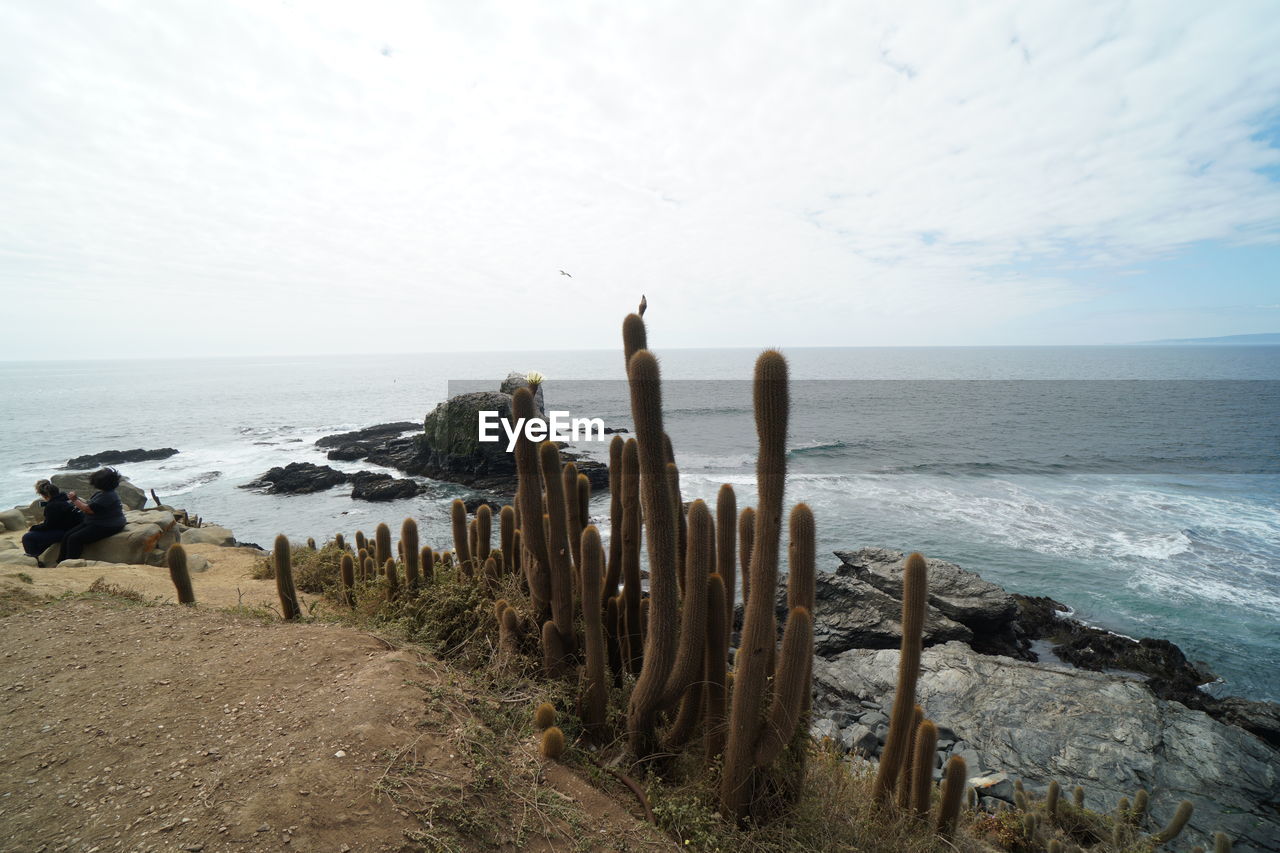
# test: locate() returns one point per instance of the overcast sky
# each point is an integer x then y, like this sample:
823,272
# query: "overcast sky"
195,178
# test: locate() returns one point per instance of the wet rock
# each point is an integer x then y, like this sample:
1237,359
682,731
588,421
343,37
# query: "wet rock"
378,431
298,478
383,487
118,457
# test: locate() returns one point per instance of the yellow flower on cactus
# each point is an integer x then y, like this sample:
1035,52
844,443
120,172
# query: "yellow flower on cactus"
535,379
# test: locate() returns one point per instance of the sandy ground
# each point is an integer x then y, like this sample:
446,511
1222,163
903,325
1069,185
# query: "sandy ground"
148,726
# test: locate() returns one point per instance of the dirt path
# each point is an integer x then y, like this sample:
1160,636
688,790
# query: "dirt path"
129,726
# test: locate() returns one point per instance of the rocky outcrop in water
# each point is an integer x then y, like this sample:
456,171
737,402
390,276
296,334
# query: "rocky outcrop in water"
298,478
368,486
118,457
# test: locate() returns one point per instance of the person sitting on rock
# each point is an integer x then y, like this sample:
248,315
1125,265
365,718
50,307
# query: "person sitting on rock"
104,514
59,517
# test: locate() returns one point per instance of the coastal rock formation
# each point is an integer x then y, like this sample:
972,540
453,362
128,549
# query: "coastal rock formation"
515,381
961,595
130,495
1042,722
145,538
13,519
369,486
377,432
450,445
117,457
298,478
851,614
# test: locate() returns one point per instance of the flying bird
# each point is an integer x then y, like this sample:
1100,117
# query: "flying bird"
562,272
644,303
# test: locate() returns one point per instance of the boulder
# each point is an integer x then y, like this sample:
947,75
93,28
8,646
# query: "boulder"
13,519
117,457
959,594
519,380
851,614
145,538
298,478
130,495
382,487
450,443
210,534
350,452
1041,722
15,558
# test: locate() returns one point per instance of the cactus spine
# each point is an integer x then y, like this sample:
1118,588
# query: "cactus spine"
904,775
529,504
176,557
659,649
461,545
284,579
573,521
393,582
954,780
409,544
922,767
759,625
914,597
634,337
1221,843
362,544
367,569
790,688
1141,800
595,694
1077,796
382,545
544,716
693,619
347,570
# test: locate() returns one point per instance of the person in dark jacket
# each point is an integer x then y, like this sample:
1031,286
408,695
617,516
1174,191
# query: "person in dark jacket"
59,517
104,514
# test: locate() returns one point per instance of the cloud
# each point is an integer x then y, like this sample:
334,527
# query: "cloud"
267,178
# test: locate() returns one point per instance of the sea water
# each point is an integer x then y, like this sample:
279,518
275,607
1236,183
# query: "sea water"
1139,485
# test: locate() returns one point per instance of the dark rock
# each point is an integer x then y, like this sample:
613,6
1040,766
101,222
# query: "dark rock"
378,431
615,430
117,457
350,452
370,486
1260,718
473,504
298,478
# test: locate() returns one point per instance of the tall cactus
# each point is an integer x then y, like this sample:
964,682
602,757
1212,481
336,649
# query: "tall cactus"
746,540
922,767
176,557
484,533
904,774
726,548
284,579
409,541
347,571
573,521
660,527
461,544
382,545
744,746
718,618
699,562
529,504
613,574
1176,823
428,564
558,550
954,781
507,536
915,581
595,694
629,533
393,581
634,337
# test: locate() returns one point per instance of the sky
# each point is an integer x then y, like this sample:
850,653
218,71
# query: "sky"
265,177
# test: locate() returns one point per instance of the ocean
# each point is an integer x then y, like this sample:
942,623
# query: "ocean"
1139,485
